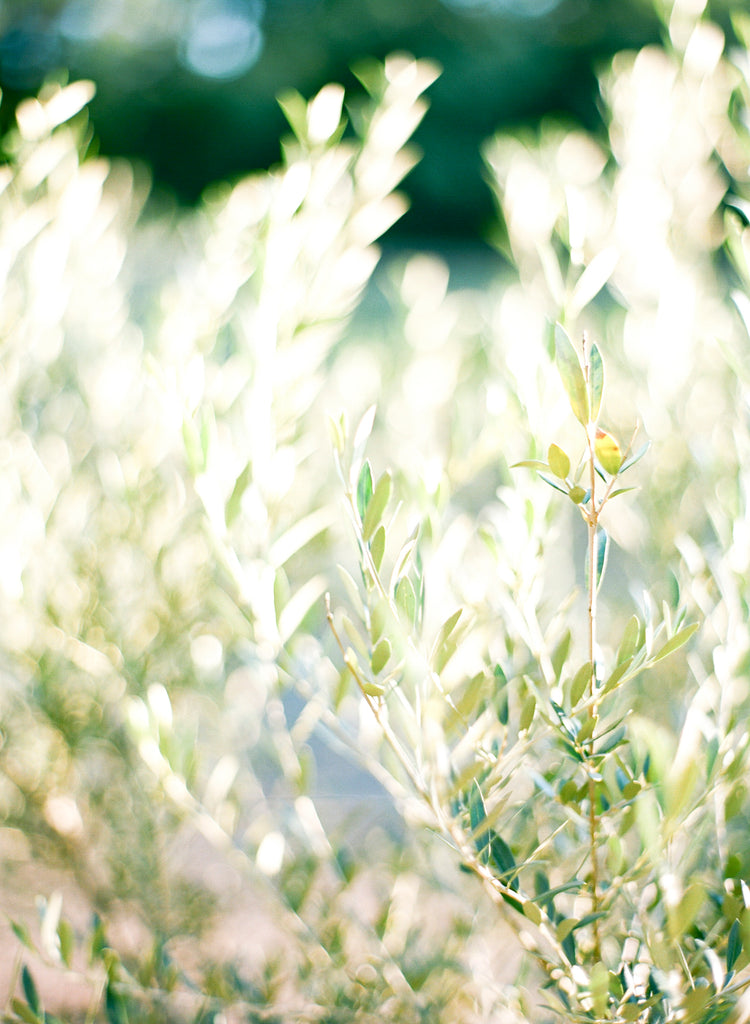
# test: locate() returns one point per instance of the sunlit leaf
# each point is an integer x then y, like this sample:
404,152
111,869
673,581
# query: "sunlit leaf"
559,462
376,507
580,682
596,382
632,459
527,713
571,374
607,451
406,599
530,464
592,280
674,643
362,434
364,488
629,642
377,546
617,675
577,495
381,655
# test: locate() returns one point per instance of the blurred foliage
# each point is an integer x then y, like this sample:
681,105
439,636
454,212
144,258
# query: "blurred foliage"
184,748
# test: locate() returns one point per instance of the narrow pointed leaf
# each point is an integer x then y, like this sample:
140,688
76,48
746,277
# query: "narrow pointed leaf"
364,489
632,459
629,641
596,382
571,374
674,644
601,551
30,991
377,546
734,945
530,464
406,599
376,507
502,859
592,280
580,681
552,483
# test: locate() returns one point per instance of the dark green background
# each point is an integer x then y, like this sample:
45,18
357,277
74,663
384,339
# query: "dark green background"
501,68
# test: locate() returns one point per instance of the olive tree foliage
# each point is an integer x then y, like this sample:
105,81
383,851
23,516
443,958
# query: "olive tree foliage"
536,640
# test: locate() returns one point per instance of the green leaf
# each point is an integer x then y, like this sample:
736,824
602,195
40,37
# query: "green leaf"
580,682
617,675
364,489
377,546
377,504
380,655
67,940
577,495
608,452
631,461
734,945
22,933
601,550
559,462
629,642
22,1010
477,818
674,643
571,374
527,713
596,382
445,645
29,990
502,859
530,464
406,599
115,1006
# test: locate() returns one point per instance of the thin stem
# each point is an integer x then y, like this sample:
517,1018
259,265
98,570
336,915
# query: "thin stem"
592,522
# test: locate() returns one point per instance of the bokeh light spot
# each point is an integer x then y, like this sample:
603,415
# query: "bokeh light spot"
224,40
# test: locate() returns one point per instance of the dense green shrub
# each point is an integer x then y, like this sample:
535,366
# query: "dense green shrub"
192,688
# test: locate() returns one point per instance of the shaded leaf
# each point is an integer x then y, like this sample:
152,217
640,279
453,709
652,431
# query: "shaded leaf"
734,945
601,550
30,991
502,859
571,374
